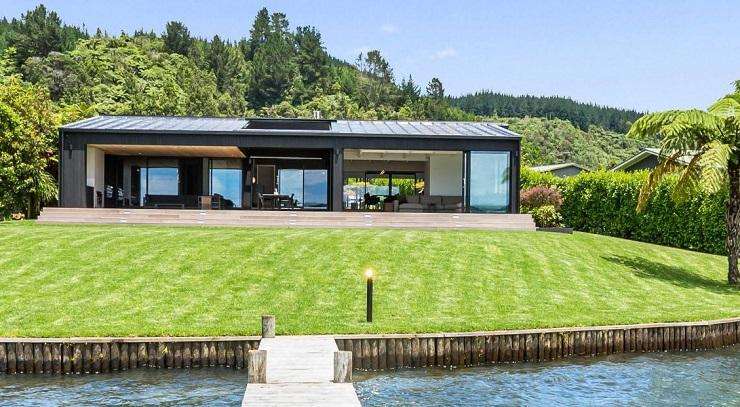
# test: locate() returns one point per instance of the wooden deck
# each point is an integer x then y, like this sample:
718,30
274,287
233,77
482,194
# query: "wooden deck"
255,218
300,373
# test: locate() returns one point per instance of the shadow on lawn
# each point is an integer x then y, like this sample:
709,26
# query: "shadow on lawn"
679,276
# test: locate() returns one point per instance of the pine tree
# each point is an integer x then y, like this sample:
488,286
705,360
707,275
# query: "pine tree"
435,90
39,32
311,58
411,92
258,34
177,38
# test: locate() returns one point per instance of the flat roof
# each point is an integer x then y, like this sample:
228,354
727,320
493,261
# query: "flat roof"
201,125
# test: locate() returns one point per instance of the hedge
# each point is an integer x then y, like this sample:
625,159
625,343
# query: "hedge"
604,202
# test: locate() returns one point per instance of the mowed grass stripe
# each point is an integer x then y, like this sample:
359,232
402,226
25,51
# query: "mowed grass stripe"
123,280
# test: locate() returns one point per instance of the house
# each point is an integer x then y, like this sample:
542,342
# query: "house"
304,164
647,158
561,170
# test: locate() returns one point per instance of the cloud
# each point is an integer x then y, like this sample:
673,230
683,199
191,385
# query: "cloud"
388,28
445,53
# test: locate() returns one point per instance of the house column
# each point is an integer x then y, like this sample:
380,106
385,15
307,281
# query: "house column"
72,175
337,180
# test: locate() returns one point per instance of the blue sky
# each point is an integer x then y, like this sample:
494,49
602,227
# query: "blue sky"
649,55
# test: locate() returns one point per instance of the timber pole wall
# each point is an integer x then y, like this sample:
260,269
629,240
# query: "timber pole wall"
100,355
383,352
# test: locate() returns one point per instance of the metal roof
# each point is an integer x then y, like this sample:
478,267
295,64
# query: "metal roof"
553,167
648,152
173,124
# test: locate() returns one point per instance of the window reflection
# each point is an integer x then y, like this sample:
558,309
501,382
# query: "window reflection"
489,181
309,188
226,182
159,181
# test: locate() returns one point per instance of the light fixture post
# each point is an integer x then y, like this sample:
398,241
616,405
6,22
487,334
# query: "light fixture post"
369,304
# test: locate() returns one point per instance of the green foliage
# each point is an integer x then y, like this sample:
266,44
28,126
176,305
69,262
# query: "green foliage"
177,38
604,202
555,141
27,142
39,32
547,217
583,115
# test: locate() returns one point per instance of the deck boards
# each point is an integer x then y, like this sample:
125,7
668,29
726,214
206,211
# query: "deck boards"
245,218
300,373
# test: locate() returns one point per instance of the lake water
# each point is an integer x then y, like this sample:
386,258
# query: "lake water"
690,378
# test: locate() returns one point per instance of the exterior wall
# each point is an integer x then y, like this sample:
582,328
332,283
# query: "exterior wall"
648,163
445,175
95,169
74,142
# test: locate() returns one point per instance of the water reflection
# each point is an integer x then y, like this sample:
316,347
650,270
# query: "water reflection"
692,378
206,387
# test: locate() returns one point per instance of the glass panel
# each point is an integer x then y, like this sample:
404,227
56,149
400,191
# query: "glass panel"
226,181
489,181
160,181
290,182
315,189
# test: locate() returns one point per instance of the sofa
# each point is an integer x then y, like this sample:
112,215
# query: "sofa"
431,203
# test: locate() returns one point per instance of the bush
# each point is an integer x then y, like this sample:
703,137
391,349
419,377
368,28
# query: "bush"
547,217
604,202
536,197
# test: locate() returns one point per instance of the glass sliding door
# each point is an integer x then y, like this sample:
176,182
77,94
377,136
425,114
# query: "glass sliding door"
309,188
159,179
290,182
225,180
315,189
488,189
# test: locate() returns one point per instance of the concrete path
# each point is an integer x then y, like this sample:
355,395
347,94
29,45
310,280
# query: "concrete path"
300,370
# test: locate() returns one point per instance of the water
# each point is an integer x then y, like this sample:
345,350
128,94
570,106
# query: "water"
691,378
196,387
694,378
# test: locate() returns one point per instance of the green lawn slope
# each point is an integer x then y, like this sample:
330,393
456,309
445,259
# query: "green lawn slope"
140,280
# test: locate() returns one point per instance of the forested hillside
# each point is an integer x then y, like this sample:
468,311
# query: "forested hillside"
52,73
583,115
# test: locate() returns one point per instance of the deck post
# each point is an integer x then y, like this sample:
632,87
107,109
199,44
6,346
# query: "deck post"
342,366
257,366
268,326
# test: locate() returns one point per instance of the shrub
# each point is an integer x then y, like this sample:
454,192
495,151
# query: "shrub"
605,202
547,217
536,197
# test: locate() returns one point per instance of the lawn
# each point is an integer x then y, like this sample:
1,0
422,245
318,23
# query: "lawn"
141,280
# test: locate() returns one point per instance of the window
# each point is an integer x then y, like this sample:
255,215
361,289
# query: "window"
225,180
309,188
159,181
489,181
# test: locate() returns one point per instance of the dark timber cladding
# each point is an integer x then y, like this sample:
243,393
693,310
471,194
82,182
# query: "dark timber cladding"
333,136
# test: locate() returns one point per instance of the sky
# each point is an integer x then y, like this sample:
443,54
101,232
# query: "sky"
644,55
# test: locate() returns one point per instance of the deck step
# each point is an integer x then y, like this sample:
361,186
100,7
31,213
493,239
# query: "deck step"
256,218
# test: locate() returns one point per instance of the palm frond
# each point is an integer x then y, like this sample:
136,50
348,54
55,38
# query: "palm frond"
650,124
714,161
689,181
727,107
665,167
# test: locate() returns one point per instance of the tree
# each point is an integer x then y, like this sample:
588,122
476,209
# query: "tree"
258,34
39,32
712,139
311,58
27,147
273,65
177,38
411,92
435,90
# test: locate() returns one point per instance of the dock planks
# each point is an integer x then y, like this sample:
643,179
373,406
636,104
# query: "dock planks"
300,370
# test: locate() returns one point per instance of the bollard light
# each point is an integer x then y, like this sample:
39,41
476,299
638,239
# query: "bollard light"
369,306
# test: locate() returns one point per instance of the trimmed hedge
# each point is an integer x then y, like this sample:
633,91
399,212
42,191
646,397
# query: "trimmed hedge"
604,202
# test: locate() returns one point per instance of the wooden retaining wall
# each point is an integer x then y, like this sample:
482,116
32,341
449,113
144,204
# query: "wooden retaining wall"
383,352
100,355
